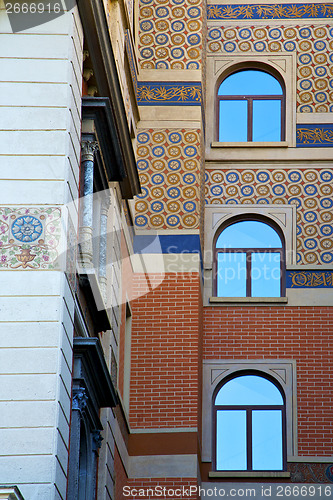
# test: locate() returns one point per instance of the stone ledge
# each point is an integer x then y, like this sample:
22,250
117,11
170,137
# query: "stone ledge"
221,474
278,144
248,300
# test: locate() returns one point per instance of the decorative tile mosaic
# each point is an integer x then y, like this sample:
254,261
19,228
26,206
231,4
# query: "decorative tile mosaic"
169,166
301,472
311,135
166,93
312,44
309,279
29,237
170,34
273,11
309,189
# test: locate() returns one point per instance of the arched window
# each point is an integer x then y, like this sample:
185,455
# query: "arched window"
249,412
249,259
251,107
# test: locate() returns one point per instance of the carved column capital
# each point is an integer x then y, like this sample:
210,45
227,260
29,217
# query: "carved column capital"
88,149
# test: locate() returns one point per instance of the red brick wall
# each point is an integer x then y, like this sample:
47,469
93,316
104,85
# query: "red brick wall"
301,333
148,486
165,347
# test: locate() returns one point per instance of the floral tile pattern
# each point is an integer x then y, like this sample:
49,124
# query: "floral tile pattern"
30,237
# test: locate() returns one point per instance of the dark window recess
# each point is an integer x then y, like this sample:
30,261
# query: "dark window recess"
92,390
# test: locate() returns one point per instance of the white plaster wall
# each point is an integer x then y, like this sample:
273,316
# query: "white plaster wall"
40,103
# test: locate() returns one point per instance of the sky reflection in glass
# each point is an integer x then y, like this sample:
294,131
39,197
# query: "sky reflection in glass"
231,280
231,440
250,82
249,234
265,274
266,120
267,440
249,390
234,128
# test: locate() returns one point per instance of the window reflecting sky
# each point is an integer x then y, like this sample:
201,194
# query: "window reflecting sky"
266,120
266,440
249,390
231,440
249,234
233,121
265,274
250,82
231,278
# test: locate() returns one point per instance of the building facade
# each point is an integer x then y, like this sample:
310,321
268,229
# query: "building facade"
166,248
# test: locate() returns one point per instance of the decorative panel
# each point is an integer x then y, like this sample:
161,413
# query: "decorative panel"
30,237
169,166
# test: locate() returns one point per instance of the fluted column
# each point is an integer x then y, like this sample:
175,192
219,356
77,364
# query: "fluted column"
103,245
86,203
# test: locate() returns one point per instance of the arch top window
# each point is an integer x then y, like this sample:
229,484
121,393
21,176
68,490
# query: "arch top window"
249,260
251,107
250,425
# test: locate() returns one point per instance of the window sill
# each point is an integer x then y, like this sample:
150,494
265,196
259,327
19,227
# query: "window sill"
280,144
279,474
247,300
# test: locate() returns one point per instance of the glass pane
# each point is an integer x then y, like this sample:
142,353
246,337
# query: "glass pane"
231,274
250,82
249,390
267,440
231,440
265,274
233,121
267,120
249,234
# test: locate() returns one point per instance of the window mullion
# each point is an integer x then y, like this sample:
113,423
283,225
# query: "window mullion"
248,273
249,119
249,438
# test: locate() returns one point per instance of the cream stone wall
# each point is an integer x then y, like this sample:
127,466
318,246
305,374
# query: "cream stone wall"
40,98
